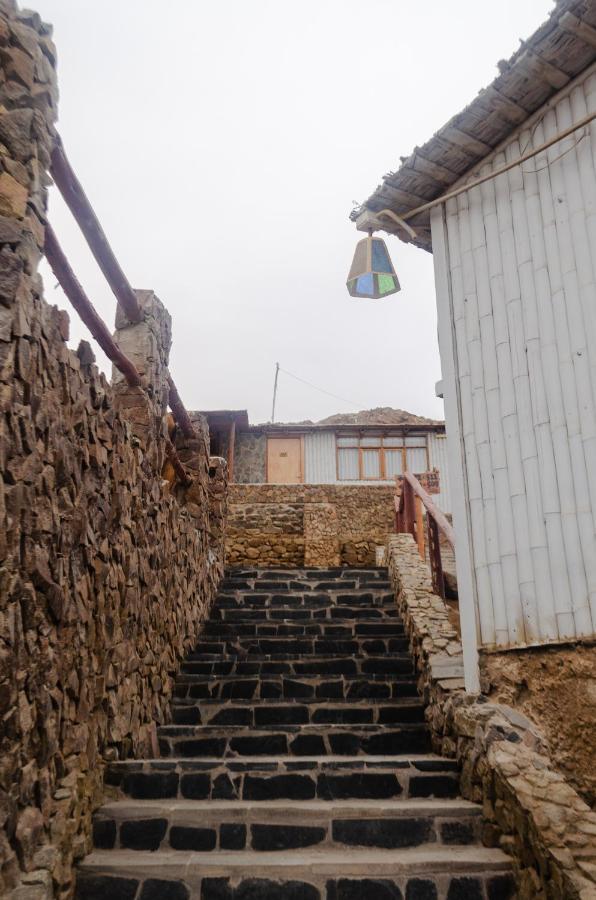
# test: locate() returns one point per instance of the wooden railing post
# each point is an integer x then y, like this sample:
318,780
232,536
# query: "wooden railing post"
408,520
419,526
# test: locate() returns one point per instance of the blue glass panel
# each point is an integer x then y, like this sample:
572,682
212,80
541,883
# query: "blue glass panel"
365,285
380,257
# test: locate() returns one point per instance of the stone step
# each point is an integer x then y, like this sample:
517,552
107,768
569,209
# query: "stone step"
307,687
329,612
273,825
309,572
275,778
269,599
433,872
255,714
337,629
302,646
293,740
214,664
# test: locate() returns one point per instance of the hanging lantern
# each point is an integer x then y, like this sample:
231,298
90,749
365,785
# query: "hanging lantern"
372,274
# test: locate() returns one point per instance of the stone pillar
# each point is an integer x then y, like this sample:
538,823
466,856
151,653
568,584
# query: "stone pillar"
147,344
321,541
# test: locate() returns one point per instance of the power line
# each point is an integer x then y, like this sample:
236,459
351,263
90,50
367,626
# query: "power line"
322,390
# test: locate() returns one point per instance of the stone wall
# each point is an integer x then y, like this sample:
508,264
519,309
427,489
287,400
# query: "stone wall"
105,574
529,808
250,454
325,524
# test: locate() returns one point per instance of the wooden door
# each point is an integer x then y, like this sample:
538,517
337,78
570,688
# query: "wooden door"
284,460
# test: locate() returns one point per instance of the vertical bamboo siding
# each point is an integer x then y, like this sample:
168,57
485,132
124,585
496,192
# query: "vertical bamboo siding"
515,265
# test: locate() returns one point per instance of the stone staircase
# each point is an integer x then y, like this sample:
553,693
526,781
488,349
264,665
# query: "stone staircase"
297,766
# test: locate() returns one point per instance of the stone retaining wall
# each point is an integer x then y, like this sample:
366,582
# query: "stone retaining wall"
313,524
105,574
530,810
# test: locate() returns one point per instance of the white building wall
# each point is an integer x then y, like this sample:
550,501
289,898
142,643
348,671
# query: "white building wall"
515,266
437,453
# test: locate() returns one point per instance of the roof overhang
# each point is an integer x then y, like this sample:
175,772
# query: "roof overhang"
223,418
562,48
406,427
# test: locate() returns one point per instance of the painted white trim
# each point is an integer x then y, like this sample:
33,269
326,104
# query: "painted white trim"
466,584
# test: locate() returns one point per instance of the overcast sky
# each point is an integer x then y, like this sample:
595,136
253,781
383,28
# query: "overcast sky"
223,144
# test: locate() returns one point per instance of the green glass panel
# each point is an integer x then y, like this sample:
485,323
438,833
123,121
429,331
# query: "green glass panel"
386,284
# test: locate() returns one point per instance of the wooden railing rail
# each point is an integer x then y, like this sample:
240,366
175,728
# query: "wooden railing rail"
409,520
77,201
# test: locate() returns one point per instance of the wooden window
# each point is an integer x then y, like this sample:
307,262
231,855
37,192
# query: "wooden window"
379,457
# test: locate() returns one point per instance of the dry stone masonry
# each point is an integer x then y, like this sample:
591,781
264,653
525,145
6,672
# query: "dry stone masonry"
105,574
308,524
297,764
530,809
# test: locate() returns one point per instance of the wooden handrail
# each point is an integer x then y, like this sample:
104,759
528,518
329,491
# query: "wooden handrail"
439,517
177,465
76,200
408,519
81,302
180,413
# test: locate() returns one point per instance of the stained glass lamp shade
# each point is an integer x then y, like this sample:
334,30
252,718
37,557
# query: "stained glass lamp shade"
372,274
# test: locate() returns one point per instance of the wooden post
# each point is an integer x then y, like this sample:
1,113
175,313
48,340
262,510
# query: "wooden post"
231,448
419,526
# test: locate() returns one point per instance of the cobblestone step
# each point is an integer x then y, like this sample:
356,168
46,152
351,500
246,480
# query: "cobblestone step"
271,825
305,688
293,740
323,778
431,873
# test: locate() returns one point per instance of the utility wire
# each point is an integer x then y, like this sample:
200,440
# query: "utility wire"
322,391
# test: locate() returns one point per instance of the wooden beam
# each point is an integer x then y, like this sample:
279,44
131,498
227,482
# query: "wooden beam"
578,28
77,296
231,449
553,76
75,198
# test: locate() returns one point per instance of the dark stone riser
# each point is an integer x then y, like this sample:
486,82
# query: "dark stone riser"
461,886
231,630
301,646
339,615
214,833
379,687
264,713
316,780
210,664
294,741
299,600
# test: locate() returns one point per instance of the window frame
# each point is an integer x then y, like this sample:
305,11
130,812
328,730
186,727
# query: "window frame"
357,437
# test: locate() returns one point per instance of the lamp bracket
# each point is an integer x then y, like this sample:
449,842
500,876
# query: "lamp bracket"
369,221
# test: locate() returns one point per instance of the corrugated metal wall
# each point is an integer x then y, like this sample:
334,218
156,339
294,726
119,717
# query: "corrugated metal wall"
437,452
319,458
515,265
